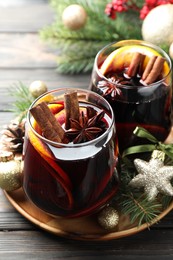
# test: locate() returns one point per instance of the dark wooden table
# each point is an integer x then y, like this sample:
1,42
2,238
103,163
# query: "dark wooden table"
24,57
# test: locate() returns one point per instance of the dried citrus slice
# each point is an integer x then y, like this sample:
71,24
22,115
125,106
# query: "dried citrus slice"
122,57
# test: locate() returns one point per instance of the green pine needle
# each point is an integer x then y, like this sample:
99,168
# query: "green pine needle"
140,209
23,99
77,49
134,202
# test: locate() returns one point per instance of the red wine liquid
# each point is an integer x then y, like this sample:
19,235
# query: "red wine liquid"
71,187
148,107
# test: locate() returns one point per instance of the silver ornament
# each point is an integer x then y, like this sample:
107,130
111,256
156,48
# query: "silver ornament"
10,175
108,218
153,176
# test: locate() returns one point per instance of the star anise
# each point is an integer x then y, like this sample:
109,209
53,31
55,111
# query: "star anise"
86,129
109,87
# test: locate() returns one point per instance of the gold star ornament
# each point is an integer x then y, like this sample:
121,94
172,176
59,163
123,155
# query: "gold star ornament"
153,176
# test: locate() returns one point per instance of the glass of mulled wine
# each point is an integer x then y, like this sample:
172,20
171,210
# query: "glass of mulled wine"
136,79
70,153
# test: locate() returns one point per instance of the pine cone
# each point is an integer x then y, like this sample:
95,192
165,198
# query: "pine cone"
13,137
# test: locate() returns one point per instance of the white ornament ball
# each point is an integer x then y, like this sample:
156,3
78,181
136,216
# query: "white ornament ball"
171,50
37,88
74,17
157,27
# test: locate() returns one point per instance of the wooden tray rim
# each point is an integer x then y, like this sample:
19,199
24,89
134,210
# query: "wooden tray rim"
79,236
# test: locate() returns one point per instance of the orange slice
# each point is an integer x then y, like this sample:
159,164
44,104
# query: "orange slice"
61,177
55,108
47,98
122,57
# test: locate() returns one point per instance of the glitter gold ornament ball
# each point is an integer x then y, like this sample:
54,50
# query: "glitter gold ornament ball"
108,218
74,17
10,175
37,88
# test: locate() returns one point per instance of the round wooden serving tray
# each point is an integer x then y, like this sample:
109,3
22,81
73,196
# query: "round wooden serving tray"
84,228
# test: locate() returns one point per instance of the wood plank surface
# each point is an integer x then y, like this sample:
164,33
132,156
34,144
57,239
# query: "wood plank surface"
24,15
25,57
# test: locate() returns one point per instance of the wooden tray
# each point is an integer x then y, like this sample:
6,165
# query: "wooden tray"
84,228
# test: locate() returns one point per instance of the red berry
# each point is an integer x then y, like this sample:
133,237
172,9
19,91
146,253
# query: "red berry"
144,11
163,2
109,11
151,3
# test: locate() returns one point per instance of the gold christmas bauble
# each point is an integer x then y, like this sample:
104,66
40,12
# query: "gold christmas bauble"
10,175
74,17
37,88
108,218
157,27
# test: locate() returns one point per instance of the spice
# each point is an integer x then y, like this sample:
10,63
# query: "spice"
136,64
81,127
71,105
86,129
153,70
50,127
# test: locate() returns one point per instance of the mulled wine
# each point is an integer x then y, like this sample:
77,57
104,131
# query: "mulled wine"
135,78
76,175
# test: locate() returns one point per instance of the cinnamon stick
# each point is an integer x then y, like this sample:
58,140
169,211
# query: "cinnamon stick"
153,70
136,64
71,106
148,67
50,127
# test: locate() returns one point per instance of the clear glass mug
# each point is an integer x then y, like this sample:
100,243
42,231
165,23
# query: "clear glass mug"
134,103
66,179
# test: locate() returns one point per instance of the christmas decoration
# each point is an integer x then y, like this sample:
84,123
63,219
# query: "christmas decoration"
74,17
107,21
13,137
119,6
157,26
130,201
37,88
6,156
10,175
108,218
171,50
78,48
153,176
23,99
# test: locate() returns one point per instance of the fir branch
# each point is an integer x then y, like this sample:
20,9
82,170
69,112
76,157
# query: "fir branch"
99,28
139,208
134,202
23,99
79,61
